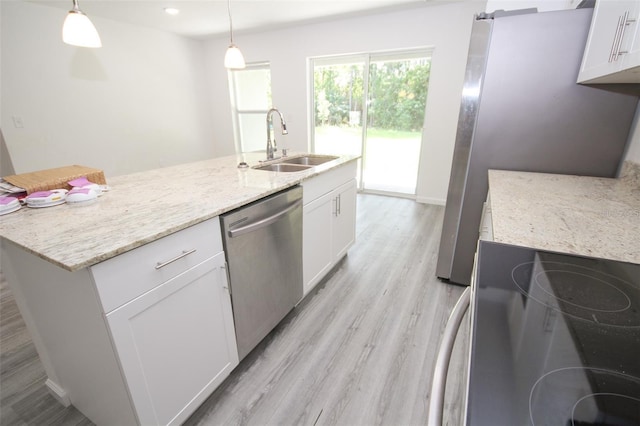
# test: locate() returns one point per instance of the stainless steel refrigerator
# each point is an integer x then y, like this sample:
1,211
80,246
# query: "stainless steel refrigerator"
522,110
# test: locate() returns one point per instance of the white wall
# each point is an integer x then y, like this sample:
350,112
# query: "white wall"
149,99
446,26
139,102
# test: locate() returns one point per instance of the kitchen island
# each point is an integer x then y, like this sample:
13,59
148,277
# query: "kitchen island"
145,206
588,216
127,299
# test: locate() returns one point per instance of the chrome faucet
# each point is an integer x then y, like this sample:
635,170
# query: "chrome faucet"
271,147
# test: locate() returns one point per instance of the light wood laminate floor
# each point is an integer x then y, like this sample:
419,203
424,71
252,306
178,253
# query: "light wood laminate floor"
358,351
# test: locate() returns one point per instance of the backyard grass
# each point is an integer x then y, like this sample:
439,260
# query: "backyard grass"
391,158
322,131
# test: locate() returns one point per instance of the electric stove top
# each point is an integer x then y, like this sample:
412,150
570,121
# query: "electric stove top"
556,339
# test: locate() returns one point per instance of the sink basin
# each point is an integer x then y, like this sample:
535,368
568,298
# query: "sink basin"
282,167
309,160
296,164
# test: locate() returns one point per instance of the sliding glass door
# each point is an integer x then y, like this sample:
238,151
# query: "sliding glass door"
339,102
373,105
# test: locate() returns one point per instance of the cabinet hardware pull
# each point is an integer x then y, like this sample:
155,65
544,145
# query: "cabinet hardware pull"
616,37
227,285
623,20
180,256
339,205
626,23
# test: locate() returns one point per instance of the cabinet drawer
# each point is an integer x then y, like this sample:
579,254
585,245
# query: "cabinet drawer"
326,182
127,276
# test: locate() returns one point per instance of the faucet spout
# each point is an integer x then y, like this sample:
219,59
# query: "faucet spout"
271,145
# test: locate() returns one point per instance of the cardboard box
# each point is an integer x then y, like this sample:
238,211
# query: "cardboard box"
57,178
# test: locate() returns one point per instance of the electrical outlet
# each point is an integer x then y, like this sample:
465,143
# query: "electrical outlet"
17,122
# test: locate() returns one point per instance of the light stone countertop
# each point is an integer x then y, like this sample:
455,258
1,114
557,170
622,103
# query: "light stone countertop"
589,216
143,207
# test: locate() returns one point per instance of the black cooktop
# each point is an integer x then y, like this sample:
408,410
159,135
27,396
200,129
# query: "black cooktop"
556,340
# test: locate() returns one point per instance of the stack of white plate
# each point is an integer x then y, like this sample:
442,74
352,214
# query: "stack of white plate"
46,198
9,205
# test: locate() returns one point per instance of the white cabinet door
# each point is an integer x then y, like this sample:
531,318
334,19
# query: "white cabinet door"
317,252
612,45
344,229
176,343
631,58
329,230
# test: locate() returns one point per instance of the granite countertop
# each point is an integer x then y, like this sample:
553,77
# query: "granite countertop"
145,206
589,216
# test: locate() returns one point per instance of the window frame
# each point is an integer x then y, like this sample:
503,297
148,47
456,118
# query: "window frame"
237,113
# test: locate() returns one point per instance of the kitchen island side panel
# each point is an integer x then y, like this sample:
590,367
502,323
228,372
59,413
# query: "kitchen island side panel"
65,314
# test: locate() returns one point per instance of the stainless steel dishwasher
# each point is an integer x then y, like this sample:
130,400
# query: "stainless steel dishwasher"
263,246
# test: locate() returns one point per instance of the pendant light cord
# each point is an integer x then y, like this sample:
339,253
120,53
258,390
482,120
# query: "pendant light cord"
230,23
233,59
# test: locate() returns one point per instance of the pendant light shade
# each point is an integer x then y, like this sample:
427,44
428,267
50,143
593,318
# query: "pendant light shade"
78,30
233,59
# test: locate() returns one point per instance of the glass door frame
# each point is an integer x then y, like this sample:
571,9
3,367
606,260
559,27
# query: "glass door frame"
358,58
365,59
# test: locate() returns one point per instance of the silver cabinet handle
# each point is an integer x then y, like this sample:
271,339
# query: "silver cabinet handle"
227,285
625,23
614,46
178,257
622,24
436,400
338,206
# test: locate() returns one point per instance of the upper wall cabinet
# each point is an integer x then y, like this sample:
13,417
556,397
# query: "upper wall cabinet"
612,53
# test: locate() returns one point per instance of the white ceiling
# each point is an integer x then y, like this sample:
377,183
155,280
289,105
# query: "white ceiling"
209,18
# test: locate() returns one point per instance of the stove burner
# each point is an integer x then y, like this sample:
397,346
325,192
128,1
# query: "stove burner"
615,300
583,293
585,403
580,396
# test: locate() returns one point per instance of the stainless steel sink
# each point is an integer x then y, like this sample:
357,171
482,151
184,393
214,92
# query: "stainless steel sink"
296,164
309,160
282,167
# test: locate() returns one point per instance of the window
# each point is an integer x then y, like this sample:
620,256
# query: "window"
250,91
373,105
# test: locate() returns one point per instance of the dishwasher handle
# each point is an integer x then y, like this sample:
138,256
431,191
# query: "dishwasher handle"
436,400
266,221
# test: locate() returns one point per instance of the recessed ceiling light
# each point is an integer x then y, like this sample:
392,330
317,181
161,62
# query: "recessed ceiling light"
171,10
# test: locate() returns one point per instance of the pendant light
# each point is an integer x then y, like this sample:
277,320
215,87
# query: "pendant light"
233,59
78,29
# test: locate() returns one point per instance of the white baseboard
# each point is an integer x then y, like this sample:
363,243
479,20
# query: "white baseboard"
58,393
434,201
